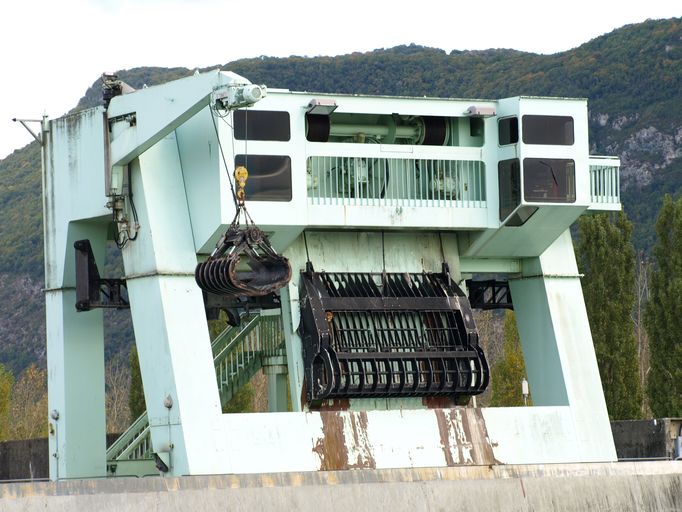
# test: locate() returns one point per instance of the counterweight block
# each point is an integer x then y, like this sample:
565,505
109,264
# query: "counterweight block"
388,335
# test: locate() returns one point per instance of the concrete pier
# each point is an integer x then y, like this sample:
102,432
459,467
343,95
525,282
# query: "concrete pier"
622,486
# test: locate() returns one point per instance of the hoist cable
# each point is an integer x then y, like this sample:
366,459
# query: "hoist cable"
222,154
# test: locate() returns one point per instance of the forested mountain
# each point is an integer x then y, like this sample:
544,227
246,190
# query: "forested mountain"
632,78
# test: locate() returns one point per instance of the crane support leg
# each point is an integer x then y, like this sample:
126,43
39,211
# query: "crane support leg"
75,353
557,346
168,314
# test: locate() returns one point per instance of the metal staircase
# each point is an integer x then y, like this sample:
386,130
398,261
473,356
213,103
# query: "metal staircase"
238,354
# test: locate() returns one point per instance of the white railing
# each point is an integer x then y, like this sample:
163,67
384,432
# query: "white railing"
604,181
368,181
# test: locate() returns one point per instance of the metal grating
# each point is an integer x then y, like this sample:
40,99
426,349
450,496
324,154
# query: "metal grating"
403,328
335,180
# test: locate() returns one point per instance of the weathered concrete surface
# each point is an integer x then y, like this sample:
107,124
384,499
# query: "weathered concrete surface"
624,486
347,442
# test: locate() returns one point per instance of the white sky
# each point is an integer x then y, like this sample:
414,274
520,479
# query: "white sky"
51,51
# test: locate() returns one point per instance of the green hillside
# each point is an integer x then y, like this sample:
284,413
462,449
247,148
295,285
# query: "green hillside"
632,78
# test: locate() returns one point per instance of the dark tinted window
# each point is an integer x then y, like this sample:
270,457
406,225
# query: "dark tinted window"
261,125
548,180
521,216
269,177
555,130
509,130
509,180
476,126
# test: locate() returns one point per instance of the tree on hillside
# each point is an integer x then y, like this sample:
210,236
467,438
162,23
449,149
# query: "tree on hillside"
117,379
136,403
28,409
607,259
663,314
490,325
242,401
642,278
6,384
509,371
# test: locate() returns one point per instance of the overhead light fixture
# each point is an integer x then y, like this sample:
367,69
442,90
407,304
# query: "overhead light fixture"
321,107
475,111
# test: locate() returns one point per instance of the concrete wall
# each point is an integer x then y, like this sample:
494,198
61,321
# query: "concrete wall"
24,460
624,486
28,459
634,439
640,439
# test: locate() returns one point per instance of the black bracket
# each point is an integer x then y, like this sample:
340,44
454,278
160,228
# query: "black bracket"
490,294
93,291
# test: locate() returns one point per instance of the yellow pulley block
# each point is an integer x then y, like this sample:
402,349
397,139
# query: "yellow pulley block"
240,177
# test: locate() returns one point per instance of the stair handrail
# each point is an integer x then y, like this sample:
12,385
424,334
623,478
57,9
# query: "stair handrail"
132,451
230,343
130,436
272,332
219,341
250,344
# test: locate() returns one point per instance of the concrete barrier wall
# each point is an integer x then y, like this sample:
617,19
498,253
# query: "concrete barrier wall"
642,486
28,459
24,460
638,439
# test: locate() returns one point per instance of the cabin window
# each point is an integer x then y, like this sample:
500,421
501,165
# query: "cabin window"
508,129
548,130
548,180
261,125
509,181
269,177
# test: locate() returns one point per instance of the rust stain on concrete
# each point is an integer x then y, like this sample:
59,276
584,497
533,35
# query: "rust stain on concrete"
445,402
464,437
438,402
344,443
331,447
336,404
